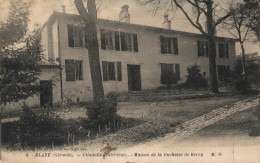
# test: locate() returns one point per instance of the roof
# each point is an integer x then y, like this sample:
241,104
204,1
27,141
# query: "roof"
55,15
47,64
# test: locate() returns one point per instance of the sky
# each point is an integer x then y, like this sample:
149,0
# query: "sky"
110,9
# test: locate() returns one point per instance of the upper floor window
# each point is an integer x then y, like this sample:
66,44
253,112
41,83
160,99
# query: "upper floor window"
113,40
112,71
203,48
76,36
223,50
169,45
73,69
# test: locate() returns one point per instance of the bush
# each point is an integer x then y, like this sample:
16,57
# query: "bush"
102,113
41,129
195,79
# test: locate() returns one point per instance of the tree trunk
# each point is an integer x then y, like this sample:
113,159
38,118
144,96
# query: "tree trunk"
94,62
90,18
243,61
212,66
1,70
212,48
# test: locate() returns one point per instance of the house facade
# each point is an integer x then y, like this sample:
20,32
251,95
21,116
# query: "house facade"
132,57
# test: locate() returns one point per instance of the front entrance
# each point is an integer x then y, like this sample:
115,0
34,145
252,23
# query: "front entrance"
46,93
134,78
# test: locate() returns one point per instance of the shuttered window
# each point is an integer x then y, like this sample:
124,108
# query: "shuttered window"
166,69
223,50
74,70
169,45
203,48
76,36
110,72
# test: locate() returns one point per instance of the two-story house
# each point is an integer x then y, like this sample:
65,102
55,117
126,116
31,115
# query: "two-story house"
132,57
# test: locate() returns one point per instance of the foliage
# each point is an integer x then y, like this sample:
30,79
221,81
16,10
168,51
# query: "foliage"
195,79
44,128
236,80
169,78
102,113
21,52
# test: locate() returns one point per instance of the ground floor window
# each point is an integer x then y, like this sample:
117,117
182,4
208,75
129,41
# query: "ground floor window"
223,73
74,70
170,73
112,71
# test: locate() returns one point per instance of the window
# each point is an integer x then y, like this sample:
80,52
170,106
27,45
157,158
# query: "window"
76,36
223,50
169,69
129,42
169,45
112,71
74,70
203,48
223,72
111,40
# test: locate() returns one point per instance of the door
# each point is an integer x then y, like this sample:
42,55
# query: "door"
46,93
134,78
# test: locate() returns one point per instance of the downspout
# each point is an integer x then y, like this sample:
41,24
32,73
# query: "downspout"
61,84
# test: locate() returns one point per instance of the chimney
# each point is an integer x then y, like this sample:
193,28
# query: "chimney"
124,16
167,22
63,8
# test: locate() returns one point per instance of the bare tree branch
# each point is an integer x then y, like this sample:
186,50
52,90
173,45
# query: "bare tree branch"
81,9
189,18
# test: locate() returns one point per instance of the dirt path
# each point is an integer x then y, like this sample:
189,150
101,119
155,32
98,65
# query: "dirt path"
190,127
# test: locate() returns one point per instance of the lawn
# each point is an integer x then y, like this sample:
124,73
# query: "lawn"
160,118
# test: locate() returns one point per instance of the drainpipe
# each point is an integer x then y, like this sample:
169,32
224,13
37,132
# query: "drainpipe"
61,84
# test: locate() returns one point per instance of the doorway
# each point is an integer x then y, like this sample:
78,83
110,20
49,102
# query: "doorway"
46,93
134,78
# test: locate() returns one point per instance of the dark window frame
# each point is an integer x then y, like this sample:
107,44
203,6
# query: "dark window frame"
73,73
169,45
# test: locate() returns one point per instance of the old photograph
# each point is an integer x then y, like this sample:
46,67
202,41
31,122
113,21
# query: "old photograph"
130,81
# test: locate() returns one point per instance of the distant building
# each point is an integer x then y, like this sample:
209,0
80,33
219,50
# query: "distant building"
132,57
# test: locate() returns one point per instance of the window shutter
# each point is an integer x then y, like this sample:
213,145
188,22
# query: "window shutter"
78,67
202,44
86,39
177,72
70,70
163,44
220,47
207,48
70,35
111,71
215,52
105,71
199,46
135,42
169,49
119,71
122,36
175,45
103,39
117,45
227,51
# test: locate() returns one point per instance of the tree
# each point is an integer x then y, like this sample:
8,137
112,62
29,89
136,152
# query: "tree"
19,56
239,26
89,17
201,9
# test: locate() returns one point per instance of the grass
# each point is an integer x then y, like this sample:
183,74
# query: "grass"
161,118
